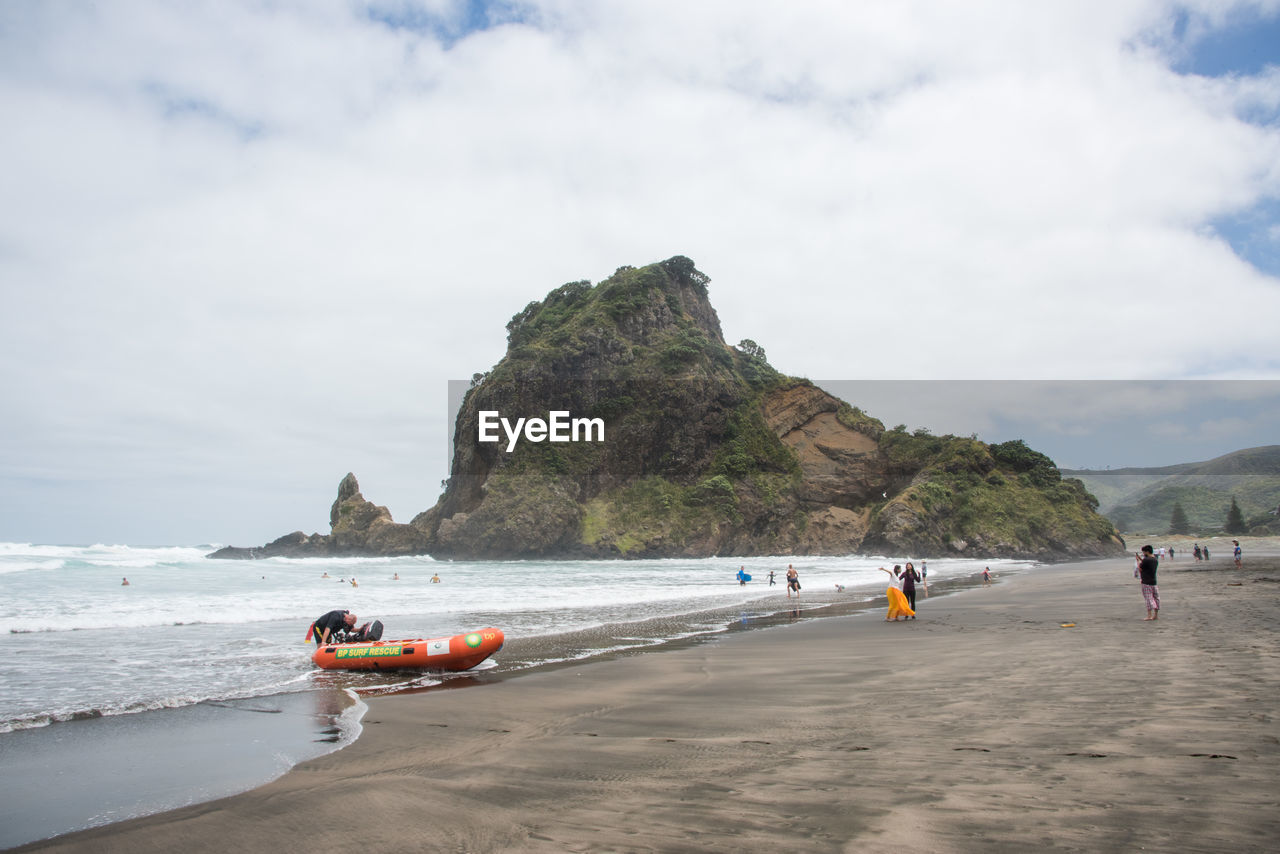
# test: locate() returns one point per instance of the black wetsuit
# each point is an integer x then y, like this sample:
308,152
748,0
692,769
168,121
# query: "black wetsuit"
333,621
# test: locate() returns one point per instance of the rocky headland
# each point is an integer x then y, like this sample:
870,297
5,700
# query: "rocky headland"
706,450
357,527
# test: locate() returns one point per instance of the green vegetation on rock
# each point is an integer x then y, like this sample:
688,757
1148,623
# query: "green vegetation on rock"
1004,499
710,450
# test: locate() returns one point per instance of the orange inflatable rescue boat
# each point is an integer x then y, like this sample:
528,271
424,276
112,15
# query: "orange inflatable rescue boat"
460,652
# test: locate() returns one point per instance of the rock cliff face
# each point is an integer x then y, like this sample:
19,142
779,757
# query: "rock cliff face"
706,450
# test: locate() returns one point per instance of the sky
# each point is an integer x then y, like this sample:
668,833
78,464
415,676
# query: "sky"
245,246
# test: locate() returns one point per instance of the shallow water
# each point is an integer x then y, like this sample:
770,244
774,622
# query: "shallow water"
72,776
75,642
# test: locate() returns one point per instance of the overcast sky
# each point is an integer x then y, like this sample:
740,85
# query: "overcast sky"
244,246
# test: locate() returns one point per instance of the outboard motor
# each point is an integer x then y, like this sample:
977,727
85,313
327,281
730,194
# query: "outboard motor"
364,634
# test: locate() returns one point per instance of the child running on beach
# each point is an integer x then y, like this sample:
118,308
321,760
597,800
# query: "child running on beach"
986,576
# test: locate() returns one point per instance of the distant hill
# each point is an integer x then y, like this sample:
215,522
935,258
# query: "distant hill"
1142,499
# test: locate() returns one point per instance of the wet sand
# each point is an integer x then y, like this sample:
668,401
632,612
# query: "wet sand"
985,725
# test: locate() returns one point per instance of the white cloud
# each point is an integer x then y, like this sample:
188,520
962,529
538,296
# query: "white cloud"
252,241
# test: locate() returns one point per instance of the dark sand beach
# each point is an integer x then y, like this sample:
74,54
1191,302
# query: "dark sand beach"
985,725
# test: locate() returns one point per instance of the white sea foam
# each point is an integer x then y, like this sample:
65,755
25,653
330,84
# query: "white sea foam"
20,565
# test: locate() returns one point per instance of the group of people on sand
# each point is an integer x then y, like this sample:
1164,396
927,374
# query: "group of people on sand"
905,578
1198,551
1147,564
1202,552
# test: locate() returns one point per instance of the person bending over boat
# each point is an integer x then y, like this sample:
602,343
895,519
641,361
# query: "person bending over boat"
339,627
332,624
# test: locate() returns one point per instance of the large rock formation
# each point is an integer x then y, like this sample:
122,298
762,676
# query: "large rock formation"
357,527
706,450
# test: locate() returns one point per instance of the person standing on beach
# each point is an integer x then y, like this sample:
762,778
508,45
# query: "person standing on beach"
986,576
793,581
1147,573
909,579
1196,551
1239,555
1206,552
771,575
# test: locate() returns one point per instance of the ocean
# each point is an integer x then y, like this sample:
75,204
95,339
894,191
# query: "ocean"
191,646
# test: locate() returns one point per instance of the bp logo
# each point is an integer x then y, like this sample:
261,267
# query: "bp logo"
472,640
